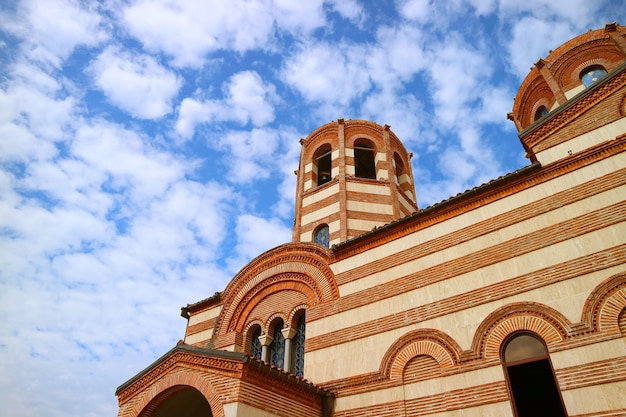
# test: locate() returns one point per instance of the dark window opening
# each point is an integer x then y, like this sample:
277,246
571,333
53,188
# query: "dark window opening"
541,111
277,347
255,346
533,388
364,164
298,341
400,171
324,168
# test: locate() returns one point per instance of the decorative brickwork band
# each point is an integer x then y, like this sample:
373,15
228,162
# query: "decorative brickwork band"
430,342
546,322
604,305
299,267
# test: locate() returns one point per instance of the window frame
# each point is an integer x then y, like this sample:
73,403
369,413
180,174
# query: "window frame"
323,165
506,365
364,159
587,70
317,230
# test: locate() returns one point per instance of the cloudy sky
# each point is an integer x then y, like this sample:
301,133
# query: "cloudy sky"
147,151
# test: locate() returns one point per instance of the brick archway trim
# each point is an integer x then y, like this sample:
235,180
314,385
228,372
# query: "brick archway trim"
430,342
214,373
545,321
149,401
304,262
296,282
605,303
173,372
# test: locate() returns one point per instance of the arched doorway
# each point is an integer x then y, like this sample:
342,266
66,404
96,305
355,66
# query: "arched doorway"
530,378
178,401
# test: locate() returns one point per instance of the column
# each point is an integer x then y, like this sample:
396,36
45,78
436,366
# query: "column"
288,334
265,340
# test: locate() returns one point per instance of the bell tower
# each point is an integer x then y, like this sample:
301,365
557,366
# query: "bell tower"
353,176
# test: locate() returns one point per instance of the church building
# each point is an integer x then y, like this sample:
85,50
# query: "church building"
508,299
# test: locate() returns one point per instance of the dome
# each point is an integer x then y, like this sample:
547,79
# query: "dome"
567,71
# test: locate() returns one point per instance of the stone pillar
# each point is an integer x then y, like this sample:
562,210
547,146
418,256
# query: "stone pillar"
288,334
265,340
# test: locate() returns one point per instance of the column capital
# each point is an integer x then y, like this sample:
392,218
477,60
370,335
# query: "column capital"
288,333
265,339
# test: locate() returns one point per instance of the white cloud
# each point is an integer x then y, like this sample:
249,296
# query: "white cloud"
332,75
176,229
247,98
18,144
251,154
135,83
41,111
53,29
570,11
457,73
303,16
286,163
251,99
457,166
71,183
124,160
397,56
484,7
419,10
532,39
401,112
193,112
255,235
495,103
349,9
188,30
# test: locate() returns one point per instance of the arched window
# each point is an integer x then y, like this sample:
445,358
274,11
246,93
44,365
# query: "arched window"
530,378
592,74
364,163
322,160
402,177
541,111
399,168
277,347
321,236
255,344
298,347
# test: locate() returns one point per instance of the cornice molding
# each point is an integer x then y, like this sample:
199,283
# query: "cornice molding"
502,187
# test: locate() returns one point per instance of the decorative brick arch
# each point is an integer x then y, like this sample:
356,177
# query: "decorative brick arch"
430,342
295,312
605,303
356,129
563,67
251,327
299,266
270,324
546,322
537,93
326,134
285,282
377,142
168,385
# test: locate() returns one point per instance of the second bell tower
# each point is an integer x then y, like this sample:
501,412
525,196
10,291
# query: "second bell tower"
353,176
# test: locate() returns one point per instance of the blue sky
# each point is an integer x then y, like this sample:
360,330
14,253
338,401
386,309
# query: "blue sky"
148,147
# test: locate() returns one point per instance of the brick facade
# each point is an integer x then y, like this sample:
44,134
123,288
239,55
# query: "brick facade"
410,310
